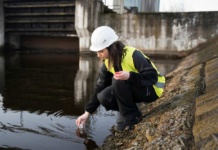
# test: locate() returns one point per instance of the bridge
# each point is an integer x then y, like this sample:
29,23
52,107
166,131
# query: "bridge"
57,25
47,25
29,20
40,17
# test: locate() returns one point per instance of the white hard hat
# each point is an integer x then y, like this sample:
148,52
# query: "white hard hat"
102,37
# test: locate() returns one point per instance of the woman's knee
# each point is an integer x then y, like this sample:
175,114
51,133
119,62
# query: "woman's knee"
118,84
108,102
102,100
103,95
107,99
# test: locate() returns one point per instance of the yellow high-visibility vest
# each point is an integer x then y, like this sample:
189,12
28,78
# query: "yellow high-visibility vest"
128,65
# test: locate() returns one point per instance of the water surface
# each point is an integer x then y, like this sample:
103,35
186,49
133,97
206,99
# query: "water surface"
41,96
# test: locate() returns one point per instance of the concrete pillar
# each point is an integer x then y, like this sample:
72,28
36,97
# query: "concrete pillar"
1,25
87,18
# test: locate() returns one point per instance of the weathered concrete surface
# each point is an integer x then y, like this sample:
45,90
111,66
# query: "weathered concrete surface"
164,31
87,15
1,25
157,32
185,117
206,118
147,31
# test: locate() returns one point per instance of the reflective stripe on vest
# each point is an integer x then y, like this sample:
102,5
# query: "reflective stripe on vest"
128,65
160,85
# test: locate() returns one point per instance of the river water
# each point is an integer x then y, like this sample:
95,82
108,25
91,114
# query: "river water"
41,96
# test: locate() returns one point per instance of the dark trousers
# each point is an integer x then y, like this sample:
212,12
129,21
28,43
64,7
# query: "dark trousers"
122,96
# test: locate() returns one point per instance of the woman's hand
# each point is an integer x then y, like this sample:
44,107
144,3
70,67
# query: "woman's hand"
81,120
121,75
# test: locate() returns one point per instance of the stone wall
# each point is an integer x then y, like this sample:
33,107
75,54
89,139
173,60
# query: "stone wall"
1,25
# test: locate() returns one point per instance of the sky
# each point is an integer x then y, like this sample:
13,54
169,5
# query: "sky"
188,5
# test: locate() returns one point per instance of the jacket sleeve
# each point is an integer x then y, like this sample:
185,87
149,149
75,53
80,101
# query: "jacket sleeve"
147,75
104,80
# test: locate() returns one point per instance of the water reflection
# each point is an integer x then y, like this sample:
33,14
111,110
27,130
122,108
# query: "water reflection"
39,81
2,72
40,101
85,78
41,95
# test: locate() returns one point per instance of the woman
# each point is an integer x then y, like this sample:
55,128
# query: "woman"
126,77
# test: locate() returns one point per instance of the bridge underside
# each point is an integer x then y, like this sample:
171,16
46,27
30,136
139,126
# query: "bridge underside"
40,22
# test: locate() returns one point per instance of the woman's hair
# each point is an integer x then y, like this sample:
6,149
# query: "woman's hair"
116,53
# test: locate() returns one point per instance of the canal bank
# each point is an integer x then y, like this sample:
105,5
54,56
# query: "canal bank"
185,117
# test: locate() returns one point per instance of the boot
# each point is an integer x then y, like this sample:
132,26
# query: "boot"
139,114
126,122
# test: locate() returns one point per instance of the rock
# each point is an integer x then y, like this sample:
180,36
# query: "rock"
119,144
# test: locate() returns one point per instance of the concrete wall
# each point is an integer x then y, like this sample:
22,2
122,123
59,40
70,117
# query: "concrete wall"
87,15
164,31
147,31
1,25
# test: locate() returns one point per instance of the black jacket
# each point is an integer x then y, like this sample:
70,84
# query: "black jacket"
147,76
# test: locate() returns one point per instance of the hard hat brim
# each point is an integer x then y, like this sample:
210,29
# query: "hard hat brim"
96,49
